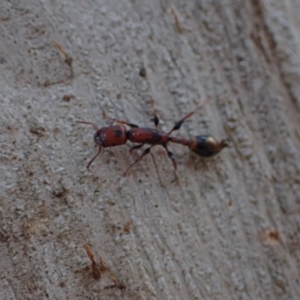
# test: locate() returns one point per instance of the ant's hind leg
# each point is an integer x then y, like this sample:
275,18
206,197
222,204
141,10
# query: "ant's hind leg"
119,121
146,151
178,124
171,156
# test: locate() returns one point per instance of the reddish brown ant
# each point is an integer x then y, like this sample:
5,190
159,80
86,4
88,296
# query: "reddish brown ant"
115,135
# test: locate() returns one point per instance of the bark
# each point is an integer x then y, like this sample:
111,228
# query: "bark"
229,230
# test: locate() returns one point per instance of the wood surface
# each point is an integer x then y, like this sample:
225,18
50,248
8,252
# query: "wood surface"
229,230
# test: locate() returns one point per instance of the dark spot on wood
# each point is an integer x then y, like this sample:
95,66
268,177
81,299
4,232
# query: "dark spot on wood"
67,98
143,72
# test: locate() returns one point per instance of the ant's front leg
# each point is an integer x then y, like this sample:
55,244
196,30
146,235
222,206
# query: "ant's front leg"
135,148
98,153
146,151
119,121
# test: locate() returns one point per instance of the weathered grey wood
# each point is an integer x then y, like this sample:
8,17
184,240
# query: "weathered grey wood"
230,230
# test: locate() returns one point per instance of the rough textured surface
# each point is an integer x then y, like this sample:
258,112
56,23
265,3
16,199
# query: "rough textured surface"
230,230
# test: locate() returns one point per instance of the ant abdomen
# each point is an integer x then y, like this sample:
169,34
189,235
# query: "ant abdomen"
206,146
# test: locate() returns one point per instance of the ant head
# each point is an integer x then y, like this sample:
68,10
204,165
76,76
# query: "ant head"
97,137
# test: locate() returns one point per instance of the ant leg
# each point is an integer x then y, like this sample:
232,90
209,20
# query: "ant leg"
147,151
119,121
155,120
135,147
99,151
89,123
171,156
179,123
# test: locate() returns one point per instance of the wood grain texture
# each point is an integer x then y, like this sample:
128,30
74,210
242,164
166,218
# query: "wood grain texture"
230,230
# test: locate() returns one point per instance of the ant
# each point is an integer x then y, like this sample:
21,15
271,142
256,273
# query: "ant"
116,135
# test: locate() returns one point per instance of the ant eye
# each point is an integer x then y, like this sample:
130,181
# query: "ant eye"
97,138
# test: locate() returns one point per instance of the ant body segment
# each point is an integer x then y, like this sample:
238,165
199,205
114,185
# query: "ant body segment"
116,135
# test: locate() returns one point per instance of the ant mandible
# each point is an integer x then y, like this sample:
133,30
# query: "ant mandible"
116,135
